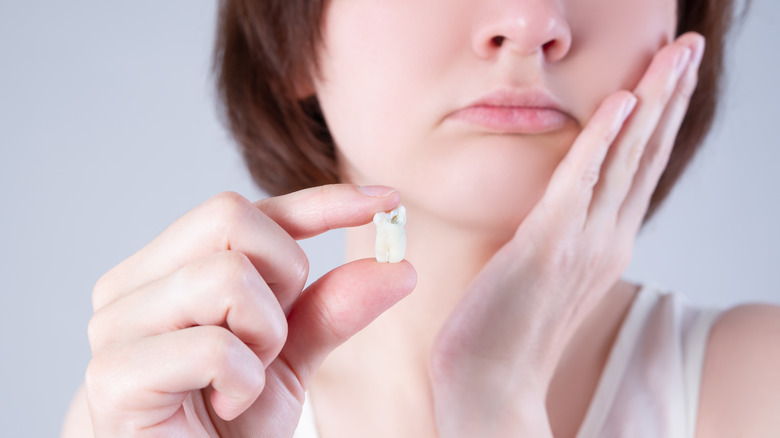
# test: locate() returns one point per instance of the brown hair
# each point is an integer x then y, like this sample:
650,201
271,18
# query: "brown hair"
266,49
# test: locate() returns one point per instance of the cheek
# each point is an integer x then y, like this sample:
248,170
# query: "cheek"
613,43
380,66
384,72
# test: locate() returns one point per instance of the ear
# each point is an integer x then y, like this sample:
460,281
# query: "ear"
304,87
304,90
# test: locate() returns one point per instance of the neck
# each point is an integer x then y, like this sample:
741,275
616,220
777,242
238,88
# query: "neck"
390,357
447,257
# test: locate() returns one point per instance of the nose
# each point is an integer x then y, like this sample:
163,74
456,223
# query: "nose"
525,27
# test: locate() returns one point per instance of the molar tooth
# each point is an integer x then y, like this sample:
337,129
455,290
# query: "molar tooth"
390,235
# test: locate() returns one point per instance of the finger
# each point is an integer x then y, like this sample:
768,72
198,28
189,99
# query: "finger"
340,304
230,222
310,212
227,221
223,289
571,187
655,92
660,145
152,376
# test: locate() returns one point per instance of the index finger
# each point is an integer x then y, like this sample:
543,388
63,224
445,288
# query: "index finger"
310,212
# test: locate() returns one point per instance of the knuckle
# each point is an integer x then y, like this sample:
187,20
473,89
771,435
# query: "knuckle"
228,208
95,331
328,197
278,333
590,176
233,276
92,379
103,387
329,193
612,259
235,266
228,200
222,349
300,268
93,374
607,136
100,291
255,382
593,258
274,336
557,256
636,149
217,344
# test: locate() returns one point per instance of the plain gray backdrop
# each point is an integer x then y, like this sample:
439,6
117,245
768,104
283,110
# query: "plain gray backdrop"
108,133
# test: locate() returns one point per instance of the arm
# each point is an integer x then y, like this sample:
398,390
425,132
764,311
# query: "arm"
740,393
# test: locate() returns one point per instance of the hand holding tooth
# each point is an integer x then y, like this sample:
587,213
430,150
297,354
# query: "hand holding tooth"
208,329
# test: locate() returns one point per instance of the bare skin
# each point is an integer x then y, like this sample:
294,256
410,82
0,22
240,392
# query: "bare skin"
208,331
339,390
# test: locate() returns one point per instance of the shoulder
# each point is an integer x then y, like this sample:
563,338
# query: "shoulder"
740,387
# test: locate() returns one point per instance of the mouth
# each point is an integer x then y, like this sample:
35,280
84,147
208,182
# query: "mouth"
514,112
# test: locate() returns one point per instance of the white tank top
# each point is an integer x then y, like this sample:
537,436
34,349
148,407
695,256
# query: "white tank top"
650,384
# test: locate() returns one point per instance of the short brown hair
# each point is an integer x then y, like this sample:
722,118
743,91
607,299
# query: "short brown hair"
265,50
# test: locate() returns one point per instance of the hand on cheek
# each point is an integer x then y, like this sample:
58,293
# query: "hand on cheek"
494,358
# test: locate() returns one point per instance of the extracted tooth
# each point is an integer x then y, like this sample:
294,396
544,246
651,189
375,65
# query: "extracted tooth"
390,235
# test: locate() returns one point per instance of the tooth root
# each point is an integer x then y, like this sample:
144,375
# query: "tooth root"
390,245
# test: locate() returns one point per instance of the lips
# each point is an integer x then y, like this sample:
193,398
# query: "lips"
514,112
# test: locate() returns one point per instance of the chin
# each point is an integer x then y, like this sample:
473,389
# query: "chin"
487,185
484,207
489,195
486,214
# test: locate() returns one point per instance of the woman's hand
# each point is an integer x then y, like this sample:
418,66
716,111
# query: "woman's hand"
495,356
205,332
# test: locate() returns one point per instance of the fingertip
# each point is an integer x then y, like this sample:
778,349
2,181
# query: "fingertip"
387,197
692,35
629,103
309,212
377,191
226,407
696,43
234,392
618,106
699,45
399,281
230,407
408,277
403,271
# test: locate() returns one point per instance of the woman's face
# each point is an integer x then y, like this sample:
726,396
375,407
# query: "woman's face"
467,106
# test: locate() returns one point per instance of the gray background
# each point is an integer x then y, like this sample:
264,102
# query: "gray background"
108,133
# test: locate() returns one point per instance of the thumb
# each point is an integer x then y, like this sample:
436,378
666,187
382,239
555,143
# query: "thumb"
338,305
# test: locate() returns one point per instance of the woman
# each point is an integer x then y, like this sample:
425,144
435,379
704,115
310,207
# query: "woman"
529,141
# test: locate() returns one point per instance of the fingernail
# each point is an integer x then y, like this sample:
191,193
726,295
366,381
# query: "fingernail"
682,61
698,52
377,191
628,106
